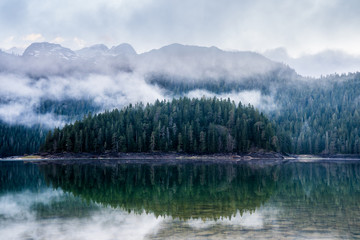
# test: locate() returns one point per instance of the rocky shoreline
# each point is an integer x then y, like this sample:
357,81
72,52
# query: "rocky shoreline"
174,156
153,156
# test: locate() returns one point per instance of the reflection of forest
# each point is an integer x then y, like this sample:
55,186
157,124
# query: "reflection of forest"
324,196
310,200
18,176
188,190
316,183
213,190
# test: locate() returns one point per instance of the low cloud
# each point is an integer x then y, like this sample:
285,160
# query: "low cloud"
79,43
20,96
113,78
58,40
34,37
253,97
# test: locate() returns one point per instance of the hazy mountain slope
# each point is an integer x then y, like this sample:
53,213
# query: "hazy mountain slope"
118,76
49,50
202,63
50,85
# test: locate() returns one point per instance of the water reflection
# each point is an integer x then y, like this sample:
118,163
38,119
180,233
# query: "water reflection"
188,190
17,176
197,200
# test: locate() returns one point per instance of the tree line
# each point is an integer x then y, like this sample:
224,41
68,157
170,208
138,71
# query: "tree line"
206,125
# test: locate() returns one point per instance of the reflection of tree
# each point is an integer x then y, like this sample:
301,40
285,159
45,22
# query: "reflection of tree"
319,197
17,176
188,190
320,184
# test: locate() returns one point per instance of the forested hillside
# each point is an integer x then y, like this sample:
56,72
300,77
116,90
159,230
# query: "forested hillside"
182,125
320,116
19,140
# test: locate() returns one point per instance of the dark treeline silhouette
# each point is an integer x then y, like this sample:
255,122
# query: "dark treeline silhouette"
182,125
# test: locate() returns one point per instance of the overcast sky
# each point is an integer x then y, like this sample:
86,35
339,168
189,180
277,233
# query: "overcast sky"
306,26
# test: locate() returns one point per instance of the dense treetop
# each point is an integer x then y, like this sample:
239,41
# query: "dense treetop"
182,125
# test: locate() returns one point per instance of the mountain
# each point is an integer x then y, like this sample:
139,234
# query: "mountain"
175,60
182,68
49,50
15,51
201,63
170,66
93,51
10,62
100,50
123,49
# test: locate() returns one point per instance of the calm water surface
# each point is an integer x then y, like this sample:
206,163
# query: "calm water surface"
109,199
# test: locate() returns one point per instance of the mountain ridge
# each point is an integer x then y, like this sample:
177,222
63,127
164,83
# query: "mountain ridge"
174,60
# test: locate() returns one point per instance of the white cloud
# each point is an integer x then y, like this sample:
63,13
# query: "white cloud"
22,95
8,42
253,97
33,37
58,40
79,43
300,26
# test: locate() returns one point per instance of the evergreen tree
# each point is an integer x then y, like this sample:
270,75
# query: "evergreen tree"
180,125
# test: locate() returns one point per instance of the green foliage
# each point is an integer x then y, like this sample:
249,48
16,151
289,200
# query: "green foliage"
69,109
19,140
183,125
321,117
17,176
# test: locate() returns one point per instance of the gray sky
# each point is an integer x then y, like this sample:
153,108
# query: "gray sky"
302,27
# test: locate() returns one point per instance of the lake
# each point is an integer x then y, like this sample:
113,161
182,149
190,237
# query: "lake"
113,199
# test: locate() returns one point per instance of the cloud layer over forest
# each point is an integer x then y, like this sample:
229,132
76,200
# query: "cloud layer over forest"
118,76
